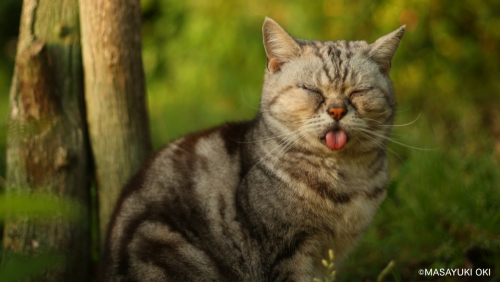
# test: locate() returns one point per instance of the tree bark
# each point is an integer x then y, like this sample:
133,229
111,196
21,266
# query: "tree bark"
114,94
47,147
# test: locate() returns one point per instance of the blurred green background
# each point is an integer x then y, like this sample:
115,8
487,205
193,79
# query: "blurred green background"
204,65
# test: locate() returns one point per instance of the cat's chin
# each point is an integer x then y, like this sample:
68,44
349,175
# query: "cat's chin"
335,139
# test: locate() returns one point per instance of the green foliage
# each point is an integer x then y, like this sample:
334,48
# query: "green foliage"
206,57
440,204
40,207
204,64
19,268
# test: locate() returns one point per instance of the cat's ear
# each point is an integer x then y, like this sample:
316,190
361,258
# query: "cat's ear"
382,50
279,45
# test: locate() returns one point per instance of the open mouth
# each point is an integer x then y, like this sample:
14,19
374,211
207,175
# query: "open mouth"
335,139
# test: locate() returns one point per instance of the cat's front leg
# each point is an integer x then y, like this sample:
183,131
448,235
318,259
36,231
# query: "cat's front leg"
303,266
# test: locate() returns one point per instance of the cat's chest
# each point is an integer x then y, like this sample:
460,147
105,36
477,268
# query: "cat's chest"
348,213
338,199
344,198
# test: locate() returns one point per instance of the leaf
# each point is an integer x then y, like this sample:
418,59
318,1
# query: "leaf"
17,267
39,205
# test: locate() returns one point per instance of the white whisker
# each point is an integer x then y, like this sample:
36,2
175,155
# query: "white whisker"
286,147
394,141
248,104
274,137
382,145
285,142
395,125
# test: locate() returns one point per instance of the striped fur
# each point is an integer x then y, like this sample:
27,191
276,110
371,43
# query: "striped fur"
264,200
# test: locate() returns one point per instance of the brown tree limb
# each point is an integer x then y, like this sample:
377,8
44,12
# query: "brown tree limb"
47,149
114,95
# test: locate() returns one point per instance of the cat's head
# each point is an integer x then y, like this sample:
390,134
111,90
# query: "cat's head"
332,96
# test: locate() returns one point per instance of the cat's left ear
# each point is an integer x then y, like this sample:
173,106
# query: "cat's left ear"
280,46
382,50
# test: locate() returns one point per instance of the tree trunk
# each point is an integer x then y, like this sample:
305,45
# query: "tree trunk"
47,147
114,95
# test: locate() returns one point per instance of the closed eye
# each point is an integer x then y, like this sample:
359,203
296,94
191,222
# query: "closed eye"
311,89
358,92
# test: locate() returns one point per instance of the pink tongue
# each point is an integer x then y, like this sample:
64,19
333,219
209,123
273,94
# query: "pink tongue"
336,140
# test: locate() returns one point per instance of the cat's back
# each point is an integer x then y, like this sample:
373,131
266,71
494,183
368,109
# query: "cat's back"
182,195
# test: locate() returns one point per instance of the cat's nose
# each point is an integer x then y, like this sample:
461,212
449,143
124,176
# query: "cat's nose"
337,113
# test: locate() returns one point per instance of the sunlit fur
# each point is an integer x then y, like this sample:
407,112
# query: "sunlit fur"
264,200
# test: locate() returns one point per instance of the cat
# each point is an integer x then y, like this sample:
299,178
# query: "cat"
264,200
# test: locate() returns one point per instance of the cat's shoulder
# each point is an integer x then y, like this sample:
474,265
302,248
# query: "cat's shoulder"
227,137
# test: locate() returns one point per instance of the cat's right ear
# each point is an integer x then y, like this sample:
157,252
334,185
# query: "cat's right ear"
279,45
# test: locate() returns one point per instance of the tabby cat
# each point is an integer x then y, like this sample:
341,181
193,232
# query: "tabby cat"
264,200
